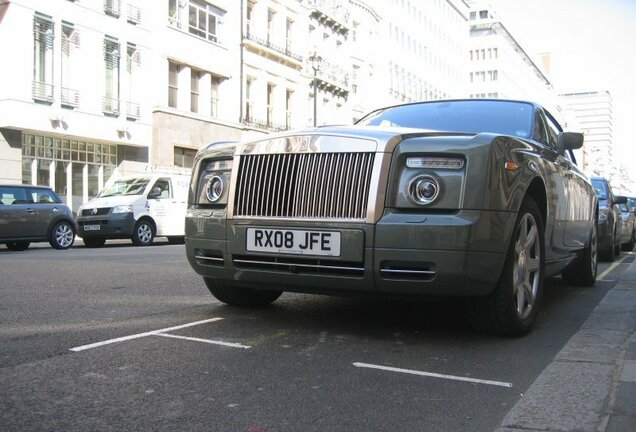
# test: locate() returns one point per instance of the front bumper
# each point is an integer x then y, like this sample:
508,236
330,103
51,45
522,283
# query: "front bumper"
111,226
404,253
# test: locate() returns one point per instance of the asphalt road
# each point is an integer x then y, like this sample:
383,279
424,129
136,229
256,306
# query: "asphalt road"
128,338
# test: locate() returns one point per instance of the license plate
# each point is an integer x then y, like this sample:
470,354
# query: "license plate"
297,242
92,227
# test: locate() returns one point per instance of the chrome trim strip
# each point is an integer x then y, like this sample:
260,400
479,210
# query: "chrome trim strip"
282,263
233,180
422,272
378,186
310,143
207,258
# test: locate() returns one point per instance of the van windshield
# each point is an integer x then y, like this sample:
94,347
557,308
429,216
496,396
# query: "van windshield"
134,186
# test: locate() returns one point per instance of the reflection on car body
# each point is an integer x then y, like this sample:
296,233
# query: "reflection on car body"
34,214
479,198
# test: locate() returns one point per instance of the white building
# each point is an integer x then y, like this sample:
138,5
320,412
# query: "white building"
499,66
593,112
75,107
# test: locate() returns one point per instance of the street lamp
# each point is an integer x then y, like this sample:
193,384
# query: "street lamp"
314,61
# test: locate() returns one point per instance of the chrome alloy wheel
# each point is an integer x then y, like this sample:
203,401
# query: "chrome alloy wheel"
527,266
144,233
64,235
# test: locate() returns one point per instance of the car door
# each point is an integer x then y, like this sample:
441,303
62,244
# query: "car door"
580,195
159,202
18,213
557,183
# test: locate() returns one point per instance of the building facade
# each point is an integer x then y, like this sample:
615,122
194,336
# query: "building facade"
593,112
75,109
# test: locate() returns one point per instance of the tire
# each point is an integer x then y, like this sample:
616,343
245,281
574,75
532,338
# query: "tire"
18,245
583,271
240,296
176,240
511,309
629,246
94,242
144,233
610,253
62,236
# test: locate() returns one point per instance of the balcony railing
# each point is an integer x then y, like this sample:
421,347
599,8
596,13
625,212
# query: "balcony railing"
42,92
112,8
332,78
332,13
133,110
134,14
272,46
110,106
70,97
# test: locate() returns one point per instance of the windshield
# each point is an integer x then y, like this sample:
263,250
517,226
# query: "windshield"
134,186
599,189
471,116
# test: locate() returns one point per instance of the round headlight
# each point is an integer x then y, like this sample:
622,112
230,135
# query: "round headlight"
424,190
214,189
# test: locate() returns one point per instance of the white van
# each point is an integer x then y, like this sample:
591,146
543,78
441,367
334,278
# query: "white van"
139,208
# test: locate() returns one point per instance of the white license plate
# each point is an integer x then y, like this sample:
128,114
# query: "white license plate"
92,227
297,242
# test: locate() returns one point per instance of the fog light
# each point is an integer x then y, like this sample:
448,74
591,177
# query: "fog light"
424,190
214,189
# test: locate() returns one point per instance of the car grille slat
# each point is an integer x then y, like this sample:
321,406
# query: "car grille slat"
304,185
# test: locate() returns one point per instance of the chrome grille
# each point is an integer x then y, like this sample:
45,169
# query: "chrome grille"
304,185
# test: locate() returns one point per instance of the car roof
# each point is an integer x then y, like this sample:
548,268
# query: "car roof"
25,185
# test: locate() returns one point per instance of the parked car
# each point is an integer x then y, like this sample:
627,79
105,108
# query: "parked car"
478,198
34,214
138,208
628,236
610,219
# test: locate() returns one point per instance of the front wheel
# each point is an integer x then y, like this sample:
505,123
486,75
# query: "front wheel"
62,236
240,296
583,270
144,233
513,306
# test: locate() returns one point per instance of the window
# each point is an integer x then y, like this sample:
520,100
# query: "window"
184,157
204,20
133,64
173,88
288,108
270,25
289,34
194,91
112,8
70,43
110,103
270,103
214,108
43,58
248,99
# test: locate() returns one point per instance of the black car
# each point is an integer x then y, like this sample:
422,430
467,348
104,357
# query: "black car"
34,214
610,218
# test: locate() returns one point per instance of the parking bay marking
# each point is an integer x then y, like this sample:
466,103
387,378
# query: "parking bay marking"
432,374
161,332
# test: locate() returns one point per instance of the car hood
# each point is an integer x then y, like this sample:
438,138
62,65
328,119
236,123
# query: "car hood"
99,202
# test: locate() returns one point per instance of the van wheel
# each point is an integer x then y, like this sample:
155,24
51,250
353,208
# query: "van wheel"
582,271
18,245
62,236
94,242
240,296
144,233
511,309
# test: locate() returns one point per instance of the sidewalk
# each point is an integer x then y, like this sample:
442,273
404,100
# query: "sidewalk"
591,383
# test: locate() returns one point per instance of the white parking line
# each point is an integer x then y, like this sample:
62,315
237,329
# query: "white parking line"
433,375
140,335
612,267
208,341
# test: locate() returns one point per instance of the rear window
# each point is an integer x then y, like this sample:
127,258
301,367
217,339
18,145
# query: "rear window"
600,189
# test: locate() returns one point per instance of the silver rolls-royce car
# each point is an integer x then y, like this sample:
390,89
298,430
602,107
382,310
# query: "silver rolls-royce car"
476,198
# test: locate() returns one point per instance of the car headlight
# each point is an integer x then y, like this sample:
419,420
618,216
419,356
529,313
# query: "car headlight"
214,181
123,209
602,214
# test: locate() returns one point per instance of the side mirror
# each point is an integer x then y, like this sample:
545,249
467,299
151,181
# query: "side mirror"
569,141
620,199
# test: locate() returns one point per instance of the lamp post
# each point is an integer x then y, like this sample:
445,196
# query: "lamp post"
314,61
